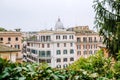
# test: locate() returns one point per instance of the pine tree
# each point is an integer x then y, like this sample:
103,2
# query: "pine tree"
107,21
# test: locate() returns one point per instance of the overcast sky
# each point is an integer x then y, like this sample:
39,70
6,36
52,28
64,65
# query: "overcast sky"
36,15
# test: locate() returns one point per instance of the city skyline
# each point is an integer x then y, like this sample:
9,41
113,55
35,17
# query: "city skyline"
30,15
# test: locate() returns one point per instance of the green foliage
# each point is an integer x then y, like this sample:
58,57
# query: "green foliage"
32,38
107,20
95,67
117,70
118,56
2,29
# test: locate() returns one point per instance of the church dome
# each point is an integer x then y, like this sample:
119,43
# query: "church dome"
59,24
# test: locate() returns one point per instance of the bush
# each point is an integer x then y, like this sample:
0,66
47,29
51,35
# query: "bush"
95,64
95,67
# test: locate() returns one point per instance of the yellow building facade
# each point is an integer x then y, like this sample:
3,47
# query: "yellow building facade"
87,41
8,53
12,39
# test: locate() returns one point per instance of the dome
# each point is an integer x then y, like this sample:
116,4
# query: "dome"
59,24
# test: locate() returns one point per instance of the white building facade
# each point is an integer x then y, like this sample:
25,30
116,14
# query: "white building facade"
56,47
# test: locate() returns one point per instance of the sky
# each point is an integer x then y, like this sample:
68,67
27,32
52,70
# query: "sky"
36,15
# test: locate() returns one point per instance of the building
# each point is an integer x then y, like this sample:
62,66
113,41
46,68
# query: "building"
56,47
88,41
12,39
8,53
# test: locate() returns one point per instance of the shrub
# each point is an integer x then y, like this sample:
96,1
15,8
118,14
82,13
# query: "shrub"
95,67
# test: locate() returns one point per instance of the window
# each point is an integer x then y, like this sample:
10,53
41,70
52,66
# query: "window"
90,39
48,60
31,44
42,53
71,44
95,39
100,39
58,66
71,59
35,59
95,46
64,51
17,46
43,46
71,51
64,44
48,45
91,46
16,38
84,39
78,40
28,50
1,39
64,36
58,37
48,38
48,53
64,59
43,38
85,52
78,52
58,60
71,37
95,51
90,52
28,44
65,65
78,46
58,52
58,45
34,51
39,45
9,39
84,46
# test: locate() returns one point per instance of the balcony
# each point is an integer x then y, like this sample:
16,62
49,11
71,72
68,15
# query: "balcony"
45,60
88,42
45,57
39,41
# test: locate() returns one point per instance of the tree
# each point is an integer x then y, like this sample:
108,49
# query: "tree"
107,21
2,29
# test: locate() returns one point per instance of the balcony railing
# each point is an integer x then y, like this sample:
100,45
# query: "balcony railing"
45,57
39,40
88,42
